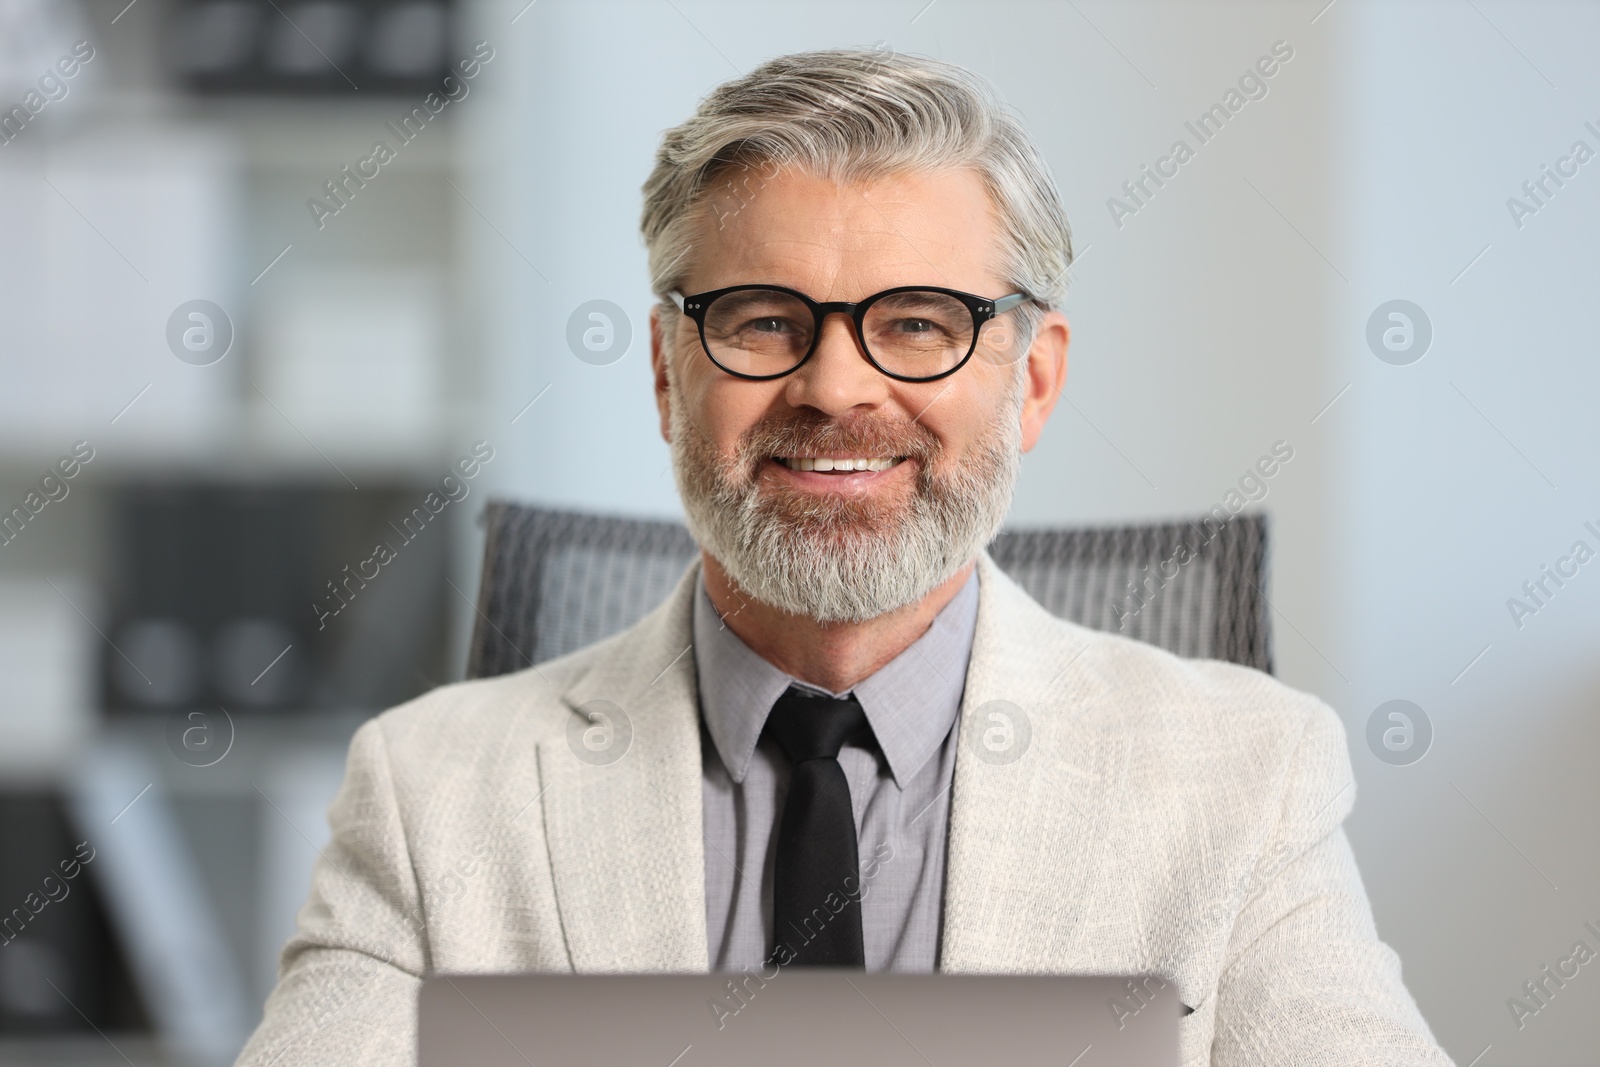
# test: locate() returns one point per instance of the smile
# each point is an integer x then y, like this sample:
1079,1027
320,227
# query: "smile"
840,463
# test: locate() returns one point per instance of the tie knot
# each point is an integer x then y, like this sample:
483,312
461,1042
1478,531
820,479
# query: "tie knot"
814,726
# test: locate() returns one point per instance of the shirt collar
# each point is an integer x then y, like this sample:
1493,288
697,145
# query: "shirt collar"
911,702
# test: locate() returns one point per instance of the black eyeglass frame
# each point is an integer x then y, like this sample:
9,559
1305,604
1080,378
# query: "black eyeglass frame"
983,309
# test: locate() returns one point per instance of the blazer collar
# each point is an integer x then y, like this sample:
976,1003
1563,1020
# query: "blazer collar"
1034,780
627,855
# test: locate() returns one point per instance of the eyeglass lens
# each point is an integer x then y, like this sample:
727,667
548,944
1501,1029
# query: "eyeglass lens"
758,332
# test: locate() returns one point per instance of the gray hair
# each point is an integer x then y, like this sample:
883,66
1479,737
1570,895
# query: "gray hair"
856,115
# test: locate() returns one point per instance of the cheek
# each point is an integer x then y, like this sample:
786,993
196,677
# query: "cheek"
958,411
685,338
997,344
690,366
720,410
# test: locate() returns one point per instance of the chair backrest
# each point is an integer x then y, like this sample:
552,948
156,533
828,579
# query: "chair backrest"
555,581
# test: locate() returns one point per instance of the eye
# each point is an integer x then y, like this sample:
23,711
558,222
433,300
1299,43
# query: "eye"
769,325
918,329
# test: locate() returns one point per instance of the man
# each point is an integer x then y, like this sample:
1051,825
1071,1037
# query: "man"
847,738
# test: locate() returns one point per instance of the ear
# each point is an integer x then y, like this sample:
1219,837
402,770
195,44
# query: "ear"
658,368
1046,375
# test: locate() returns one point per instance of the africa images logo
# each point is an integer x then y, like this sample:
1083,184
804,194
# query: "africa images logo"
53,85
343,187
1252,85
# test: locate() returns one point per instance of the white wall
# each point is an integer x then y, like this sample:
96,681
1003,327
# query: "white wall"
1443,508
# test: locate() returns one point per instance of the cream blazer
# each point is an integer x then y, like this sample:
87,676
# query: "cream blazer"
1173,816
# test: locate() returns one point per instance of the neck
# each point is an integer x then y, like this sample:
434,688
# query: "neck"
832,655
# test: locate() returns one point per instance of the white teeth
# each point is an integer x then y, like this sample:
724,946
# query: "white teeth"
824,463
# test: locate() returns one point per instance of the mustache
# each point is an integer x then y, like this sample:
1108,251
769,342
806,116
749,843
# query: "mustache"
808,432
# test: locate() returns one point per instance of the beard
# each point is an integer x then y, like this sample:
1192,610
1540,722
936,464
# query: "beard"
837,557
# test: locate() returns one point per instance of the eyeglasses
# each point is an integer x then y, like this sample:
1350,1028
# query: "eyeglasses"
913,333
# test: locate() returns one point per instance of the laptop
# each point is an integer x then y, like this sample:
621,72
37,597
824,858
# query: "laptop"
797,1017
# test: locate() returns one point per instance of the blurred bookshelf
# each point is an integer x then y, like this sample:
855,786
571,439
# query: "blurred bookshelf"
177,589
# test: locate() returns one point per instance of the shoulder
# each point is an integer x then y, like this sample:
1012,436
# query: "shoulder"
1200,716
1203,701
1158,681
482,717
1218,734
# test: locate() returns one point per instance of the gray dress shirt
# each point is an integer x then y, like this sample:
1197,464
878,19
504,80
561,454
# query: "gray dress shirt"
899,788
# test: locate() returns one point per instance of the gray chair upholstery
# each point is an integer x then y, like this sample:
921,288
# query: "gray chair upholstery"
554,581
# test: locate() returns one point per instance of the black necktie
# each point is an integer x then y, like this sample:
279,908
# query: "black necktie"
816,886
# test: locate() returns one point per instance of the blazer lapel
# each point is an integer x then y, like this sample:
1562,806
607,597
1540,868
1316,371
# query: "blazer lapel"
1029,807
626,847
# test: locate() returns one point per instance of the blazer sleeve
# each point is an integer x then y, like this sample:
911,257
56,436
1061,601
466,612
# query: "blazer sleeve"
348,977
1305,980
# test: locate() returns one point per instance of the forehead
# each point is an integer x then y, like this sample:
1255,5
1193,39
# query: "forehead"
842,241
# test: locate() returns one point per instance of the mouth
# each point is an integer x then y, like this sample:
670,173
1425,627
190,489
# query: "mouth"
839,464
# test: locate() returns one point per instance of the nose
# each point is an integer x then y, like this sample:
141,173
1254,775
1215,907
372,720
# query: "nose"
838,376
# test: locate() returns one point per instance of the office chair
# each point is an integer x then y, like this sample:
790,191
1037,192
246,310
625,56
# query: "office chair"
554,581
